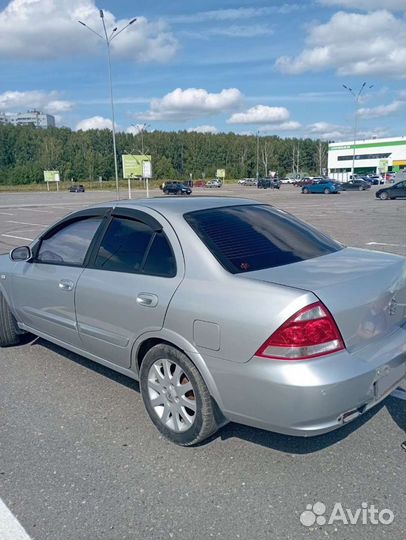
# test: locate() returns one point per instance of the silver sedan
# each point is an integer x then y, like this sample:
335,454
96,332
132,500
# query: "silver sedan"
223,309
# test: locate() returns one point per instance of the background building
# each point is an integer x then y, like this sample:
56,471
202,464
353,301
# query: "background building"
371,156
29,118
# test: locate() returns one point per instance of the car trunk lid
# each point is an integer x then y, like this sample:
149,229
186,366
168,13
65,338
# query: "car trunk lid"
364,290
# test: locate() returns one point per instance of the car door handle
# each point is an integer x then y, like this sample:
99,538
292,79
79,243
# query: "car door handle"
147,299
66,284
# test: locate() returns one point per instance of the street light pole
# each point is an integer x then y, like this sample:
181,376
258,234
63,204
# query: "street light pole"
356,97
257,155
108,40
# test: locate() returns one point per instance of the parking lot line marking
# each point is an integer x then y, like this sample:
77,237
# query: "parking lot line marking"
382,244
25,223
399,393
25,230
18,238
10,527
6,214
34,210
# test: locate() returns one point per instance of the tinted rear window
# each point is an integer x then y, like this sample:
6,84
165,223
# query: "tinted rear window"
252,237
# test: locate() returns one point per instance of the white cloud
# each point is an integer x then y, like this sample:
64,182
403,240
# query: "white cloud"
203,129
330,132
381,110
135,129
95,122
39,29
34,99
237,31
366,5
352,44
181,105
260,114
291,125
234,14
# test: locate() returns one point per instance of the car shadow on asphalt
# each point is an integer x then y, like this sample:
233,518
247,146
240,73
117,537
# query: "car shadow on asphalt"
307,445
275,441
90,364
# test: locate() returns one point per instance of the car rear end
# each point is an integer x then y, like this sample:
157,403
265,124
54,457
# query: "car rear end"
358,324
328,352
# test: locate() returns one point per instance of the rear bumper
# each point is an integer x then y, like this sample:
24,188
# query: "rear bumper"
310,397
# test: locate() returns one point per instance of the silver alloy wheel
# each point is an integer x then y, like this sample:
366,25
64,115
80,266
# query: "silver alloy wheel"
171,395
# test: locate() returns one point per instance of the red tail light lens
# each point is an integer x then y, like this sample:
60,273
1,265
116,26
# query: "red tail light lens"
309,333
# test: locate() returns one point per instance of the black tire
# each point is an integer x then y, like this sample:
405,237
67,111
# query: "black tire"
384,196
166,192
326,191
204,422
360,188
305,190
9,331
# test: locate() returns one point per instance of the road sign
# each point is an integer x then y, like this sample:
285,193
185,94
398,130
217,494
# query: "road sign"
133,165
221,173
383,165
51,176
146,169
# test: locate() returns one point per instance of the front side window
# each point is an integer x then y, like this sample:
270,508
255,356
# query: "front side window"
252,237
69,244
133,247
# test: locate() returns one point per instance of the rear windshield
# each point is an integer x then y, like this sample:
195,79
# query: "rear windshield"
252,237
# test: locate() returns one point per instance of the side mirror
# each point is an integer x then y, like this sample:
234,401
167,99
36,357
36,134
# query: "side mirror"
22,253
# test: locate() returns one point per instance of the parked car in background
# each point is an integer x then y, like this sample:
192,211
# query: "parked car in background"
265,183
375,179
325,186
77,188
318,178
176,188
306,181
355,185
200,183
288,180
249,182
395,191
299,334
213,184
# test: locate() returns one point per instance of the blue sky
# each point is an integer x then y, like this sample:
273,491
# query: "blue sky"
241,66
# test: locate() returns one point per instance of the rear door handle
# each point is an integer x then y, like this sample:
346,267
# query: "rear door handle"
147,299
66,284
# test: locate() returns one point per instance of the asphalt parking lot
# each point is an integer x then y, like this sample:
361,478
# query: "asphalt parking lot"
80,460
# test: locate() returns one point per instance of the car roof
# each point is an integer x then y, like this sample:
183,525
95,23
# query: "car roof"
179,205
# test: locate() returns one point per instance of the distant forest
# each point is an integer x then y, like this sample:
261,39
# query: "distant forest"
26,152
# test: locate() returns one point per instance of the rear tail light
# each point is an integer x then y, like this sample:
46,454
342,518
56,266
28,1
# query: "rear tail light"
309,333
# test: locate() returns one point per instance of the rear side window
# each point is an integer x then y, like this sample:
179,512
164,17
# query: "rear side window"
252,237
133,247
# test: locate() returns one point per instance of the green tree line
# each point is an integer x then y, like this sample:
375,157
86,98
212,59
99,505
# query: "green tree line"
25,152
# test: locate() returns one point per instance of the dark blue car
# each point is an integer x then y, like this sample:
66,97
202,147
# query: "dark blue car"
322,186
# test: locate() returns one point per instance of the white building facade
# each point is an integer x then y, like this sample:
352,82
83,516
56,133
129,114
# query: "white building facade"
371,156
29,118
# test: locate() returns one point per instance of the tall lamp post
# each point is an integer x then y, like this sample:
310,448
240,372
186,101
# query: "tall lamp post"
356,97
257,155
108,40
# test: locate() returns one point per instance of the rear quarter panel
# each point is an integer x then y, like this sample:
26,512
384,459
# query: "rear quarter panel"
230,318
